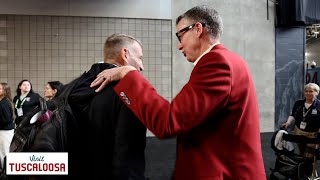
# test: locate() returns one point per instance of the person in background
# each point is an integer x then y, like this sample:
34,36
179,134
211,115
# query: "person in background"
25,100
109,132
215,116
7,125
305,116
51,90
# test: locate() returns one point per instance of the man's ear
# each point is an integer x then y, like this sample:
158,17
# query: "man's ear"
199,27
124,56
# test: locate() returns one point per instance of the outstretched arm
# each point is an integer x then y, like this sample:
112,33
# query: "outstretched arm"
109,75
290,121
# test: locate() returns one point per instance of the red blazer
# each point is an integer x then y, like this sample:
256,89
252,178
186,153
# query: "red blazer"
215,118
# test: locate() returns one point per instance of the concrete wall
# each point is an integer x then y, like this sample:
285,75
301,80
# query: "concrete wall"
151,9
249,32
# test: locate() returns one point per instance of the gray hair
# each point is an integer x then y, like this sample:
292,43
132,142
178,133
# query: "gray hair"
312,86
116,42
208,16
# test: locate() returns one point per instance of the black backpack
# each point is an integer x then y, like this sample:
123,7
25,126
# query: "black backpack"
51,131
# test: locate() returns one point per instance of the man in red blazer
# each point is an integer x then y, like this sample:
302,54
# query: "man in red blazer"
215,116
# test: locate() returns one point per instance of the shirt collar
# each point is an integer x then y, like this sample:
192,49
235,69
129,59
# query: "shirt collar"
194,63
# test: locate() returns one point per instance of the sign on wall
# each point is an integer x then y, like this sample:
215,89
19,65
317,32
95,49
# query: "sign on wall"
313,76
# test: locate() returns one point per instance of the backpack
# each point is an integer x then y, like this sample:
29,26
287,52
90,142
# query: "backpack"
51,129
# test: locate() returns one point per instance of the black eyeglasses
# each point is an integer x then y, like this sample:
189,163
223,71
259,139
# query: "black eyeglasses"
185,30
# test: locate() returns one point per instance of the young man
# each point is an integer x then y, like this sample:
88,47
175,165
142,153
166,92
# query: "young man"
215,116
112,140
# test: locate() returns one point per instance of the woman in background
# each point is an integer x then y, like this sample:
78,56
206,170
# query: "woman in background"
51,90
6,121
305,117
25,100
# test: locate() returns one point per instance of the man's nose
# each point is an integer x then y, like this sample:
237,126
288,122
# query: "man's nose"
179,46
141,68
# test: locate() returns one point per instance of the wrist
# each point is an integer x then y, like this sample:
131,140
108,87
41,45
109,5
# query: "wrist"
125,70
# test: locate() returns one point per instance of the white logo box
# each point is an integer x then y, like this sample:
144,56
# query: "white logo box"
37,163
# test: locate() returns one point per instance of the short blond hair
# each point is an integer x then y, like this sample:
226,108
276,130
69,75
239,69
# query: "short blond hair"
116,42
313,86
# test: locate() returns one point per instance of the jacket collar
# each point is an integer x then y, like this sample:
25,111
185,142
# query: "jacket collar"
208,50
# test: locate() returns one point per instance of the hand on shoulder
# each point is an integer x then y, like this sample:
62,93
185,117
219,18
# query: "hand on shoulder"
109,75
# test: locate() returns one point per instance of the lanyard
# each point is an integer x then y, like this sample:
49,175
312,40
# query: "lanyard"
305,113
23,100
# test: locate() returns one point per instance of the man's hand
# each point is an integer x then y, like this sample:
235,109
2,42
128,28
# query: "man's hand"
109,75
285,125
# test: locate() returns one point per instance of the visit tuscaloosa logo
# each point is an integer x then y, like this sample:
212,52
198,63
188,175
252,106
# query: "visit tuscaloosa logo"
37,163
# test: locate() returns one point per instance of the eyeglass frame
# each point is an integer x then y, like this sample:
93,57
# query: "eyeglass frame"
185,29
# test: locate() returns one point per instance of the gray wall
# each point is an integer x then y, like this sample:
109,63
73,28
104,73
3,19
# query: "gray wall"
247,31
151,9
47,48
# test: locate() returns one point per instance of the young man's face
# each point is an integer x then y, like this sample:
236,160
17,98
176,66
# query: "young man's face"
135,57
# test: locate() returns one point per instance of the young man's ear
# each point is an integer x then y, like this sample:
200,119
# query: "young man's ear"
124,55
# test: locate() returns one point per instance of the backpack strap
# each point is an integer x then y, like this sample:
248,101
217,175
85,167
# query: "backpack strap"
43,104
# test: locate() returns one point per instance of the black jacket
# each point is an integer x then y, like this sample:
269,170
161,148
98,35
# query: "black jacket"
32,101
112,139
312,115
6,115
